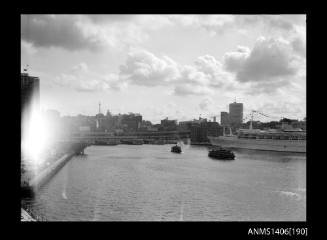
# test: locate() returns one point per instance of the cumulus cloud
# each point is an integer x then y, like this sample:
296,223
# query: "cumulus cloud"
56,31
91,32
146,69
74,32
269,65
82,79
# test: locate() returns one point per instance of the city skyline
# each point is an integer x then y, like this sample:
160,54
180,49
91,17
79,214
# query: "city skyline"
175,66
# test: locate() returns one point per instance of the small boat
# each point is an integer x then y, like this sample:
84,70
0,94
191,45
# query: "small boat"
176,149
221,153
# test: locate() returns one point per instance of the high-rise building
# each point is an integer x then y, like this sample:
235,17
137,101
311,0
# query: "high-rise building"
236,114
224,118
30,92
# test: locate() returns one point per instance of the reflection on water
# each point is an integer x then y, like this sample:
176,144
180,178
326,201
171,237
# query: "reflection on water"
149,183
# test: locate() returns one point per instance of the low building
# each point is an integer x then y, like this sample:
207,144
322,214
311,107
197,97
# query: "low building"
131,121
168,125
200,132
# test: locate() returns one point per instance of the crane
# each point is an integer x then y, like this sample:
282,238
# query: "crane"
258,112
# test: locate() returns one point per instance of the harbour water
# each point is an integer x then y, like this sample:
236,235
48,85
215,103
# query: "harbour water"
150,183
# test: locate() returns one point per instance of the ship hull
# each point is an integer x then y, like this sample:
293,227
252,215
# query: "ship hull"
296,146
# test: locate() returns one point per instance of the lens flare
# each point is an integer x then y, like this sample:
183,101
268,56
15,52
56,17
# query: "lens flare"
35,139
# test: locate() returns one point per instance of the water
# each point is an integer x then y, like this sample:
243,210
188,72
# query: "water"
149,183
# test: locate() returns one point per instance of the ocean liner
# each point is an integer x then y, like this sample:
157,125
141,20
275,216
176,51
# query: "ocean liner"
281,140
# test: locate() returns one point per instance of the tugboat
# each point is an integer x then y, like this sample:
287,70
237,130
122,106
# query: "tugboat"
221,153
176,149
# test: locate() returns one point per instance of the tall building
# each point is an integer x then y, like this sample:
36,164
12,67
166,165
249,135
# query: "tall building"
236,114
30,92
224,118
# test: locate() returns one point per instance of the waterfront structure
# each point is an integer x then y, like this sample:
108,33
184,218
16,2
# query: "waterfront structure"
185,125
168,125
224,119
201,132
236,114
132,121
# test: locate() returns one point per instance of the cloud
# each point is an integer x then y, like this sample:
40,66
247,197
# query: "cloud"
213,23
280,109
269,65
88,32
56,31
146,69
82,79
299,46
27,48
206,104
270,22
187,89
280,23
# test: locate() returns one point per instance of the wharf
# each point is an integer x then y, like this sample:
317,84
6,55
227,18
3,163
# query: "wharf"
201,143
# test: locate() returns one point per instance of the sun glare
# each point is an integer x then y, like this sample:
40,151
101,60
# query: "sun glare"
34,137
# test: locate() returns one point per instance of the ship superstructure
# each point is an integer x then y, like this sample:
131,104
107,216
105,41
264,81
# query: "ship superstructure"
282,140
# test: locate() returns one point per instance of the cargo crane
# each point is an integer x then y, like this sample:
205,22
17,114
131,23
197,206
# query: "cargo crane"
250,116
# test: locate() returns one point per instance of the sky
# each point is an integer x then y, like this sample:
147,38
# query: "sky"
175,66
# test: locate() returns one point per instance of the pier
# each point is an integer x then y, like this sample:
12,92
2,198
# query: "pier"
167,137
